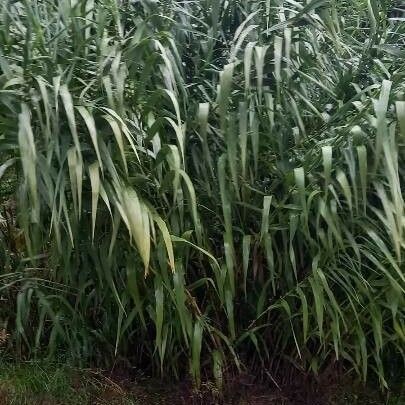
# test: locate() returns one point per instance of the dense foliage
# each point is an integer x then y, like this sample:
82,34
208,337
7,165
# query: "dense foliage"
206,185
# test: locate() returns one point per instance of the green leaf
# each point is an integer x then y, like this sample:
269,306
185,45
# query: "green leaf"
265,215
95,192
196,344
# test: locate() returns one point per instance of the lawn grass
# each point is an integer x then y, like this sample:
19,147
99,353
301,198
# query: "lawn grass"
50,383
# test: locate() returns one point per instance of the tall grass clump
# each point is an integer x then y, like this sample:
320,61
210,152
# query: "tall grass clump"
204,186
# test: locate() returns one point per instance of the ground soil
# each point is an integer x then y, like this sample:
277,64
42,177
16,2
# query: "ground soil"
96,387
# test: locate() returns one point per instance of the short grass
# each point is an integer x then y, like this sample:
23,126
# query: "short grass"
49,383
